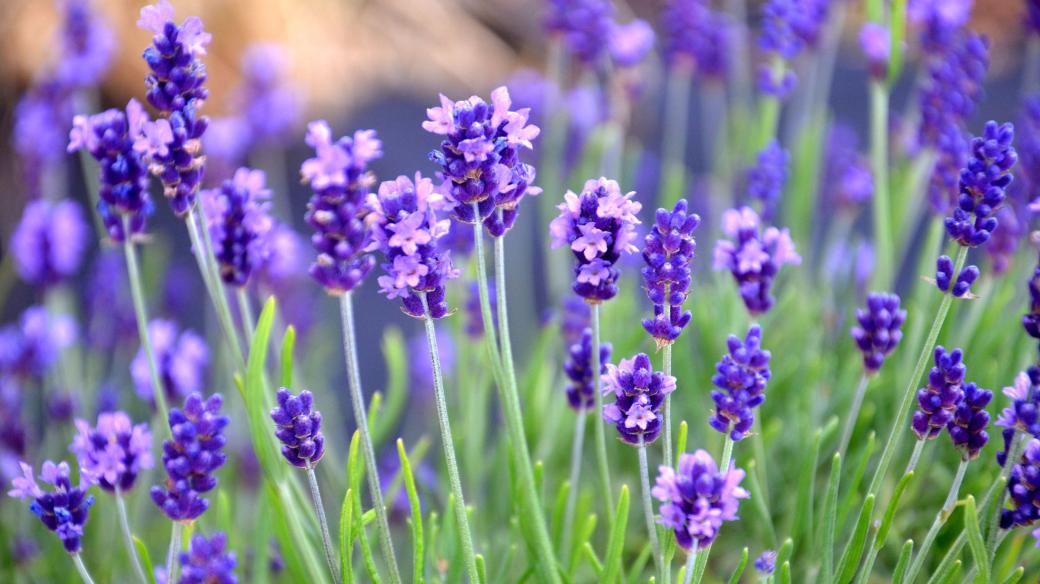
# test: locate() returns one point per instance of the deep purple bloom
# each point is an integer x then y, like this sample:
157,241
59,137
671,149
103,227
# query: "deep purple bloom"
698,498
299,428
114,452
766,180
741,375
1031,320
182,360
941,21
405,228
968,427
788,27
668,251
695,33
598,226
49,242
479,157
878,332
578,368
983,185
938,401
1024,489
208,561
338,175
875,40
766,563
237,214
638,395
1027,178
63,510
944,279
753,257
191,457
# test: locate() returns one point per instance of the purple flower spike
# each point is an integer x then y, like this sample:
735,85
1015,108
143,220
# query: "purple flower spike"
114,452
49,242
983,185
876,42
338,175
1022,413
63,510
182,359
598,226
938,401
208,561
578,367
575,317
765,181
638,395
33,346
668,251
584,26
968,427
299,428
474,315
753,257
878,332
191,457
847,177
1024,489
239,223
742,375
944,277
1031,320
765,564
697,498
694,33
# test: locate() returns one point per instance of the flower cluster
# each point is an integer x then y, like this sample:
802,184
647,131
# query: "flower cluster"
875,40
668,250
742,375
191,457
878,332
405,228
765,181
64,510
338,175
575,316
181,358
114,452
299,428
237,214
49,242
638,395
1024,489
754,257
697,34
208,561
983,185
1031,320
944,277
598,225
591,33
474,313
30,348
938,401
1023,413
847,179
479,157
176,87
269,103
578,368
968,426
765,564
788,27
698,498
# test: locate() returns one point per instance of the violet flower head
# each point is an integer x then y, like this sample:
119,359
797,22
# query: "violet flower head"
176,87
788,27
1024,489
474,314
696,34
338,175
405,228
875,40
479,157
584,25
668,251
182,358
878,331
40,130
766,180
944,277
697,498
940,21
1031,320
754,257
575,316
581,393
191,457
847,179
266,99
114,452
598,225
87,45
237,214
742,375
64,509
299,428
968,427
208,561
638,395
983,185
630,42
30,348
938,401
1004,241
1023,412
49,242
765,564
1027,179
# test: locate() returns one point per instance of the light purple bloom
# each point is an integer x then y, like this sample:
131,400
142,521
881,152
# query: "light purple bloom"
182,360
49,242
698,498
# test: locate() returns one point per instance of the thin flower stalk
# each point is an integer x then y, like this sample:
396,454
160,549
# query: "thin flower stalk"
648,510
601,437
702,557
82,569
575,477
203,258
691,561
940,519
128,538
245,313
323,523
879,166
666,368
850,420
174,551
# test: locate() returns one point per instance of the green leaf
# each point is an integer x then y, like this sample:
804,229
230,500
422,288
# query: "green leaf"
635,569
803,517
481,568
616,540
784,553
288,343
903,565
584,534
396,386
950,574
346,542
680,443
890,511
829,516
739,571
417,525
146,560
590,554
1015,576
857,476
785,573
854,550
355,471
975,542
559,508
898,34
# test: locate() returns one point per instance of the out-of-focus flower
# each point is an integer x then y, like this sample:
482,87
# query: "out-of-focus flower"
49,242
64,509
638,392
753,257
875,40
697,34
87,45
208,561
766,563
847,179
114,452
191,457
766,180
182,360
266,99
1024,489
578,368
33,346
698,498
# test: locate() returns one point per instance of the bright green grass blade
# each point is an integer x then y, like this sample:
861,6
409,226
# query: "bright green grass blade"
975,542
346,543
1015,576
829,517
418,552
146,560
396,395
854,551
616,541
288,344
903,565
739,571
890,511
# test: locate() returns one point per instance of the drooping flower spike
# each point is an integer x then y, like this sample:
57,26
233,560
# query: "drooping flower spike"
938,401
944,277
668,251
208,561
638,392
741,375
754,257
878,331
114,452
237,214
62,510
49,243
298,428
698,498
598,225
578,368
983,185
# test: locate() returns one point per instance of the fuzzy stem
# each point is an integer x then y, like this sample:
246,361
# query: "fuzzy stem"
128,538
940,519
601,439
81,568
214,288
466,538
357,402
173,553
666,367
245,312
915,456
702,558
648,510
691,559
572,494
133,273
850,421
319,508
879,167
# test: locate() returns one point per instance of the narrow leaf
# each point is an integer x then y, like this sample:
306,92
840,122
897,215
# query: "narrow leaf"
396,386
951,574
890,511
1015,576
903,565
146,560
829,516
854,551
616,540
785,573
288,344
739,571
346,542
590,554
803,522
417,525
680,443
975,542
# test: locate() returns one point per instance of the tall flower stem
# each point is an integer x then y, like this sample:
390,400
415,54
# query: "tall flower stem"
850,421
702,557
174,551
82,569
879,167
128,538
1014,453
326,540
601,438
465,536
691,560
915,456
648,510
133,273
513,412
346,305
666,367
245,312
940,519
572,494
214,288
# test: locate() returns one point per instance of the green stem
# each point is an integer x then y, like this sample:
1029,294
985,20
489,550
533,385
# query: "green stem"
214,287
666,367
940,519
357,402
1017,445
850,421
691,560
879,167
572,494
550,170
915,456
245,313
128,538
702,558
673,141
323,523
133,274
601,438
173,553
82,569
461,517
648,510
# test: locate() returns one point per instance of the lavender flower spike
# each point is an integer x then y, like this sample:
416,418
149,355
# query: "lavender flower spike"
742,375
191,457
114,452
968,427
299,428
878,332
753,257
49,242
208,561
1024,489
64,510
182,360
944,277
578,368
668,251
239,223
939,400
698,498
1023,413
638,395
983,184
765,181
